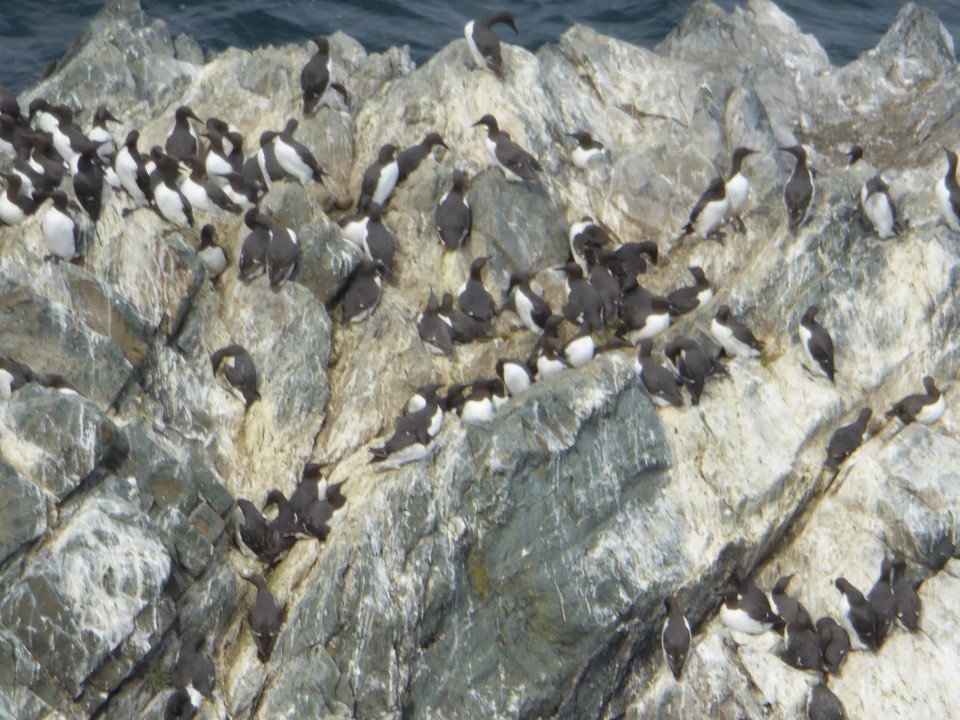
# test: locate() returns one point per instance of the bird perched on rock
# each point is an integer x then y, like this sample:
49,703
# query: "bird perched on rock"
182,142
283,530
131,171
709,212
745,608
283,251
734,337
195,671
380,178
924,408
847,439
203,194
253,251
264,618
251,533
435,330
834,644
687,299
88,181
379,245
822,704
643,315
14,207
211,254
170,202
858,615
315,75
452,215
675,637
583,305
800,191
532,309
905,597
948,193
587,149
579,349
294,157
878,207
100,136
738,187
659,382
586,236
483,399
409,159
545,359
881,597
240,372
484,45
516,375
465,328
802,648
692,364
363,294
412,437
60,232
474,298
789,609
817,344
855,153
517,164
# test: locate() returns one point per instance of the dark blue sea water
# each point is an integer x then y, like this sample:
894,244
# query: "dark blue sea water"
33,33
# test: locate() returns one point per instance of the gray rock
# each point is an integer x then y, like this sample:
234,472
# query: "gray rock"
23,517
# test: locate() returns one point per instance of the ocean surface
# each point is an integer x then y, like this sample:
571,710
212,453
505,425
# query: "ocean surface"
35,33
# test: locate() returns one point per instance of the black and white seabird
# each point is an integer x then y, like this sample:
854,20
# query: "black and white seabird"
948,193
546,359
180,706
584,236
579,349
68,138
11,136
283,530
380,178
203,194
517,164
800,191
587,149
435,330
905,596
516,375
60,232
379,244
294,157
484,45
218,162
736,338
315,75
283,251
452,215
313,511
411,438
270,168
817,344
212,255
465,328
255,183
354,227
711,210
250,530
46,163
241,372
924,408
100,136
634,257
409,159
675,637
659,382
881,597
584,306
88,181
608,288
687,299
738,187
264,618
363,294
801,648
474,298
480,403
170,202
834,644
182,142
858,616
13,206
132,172
847,439
692,363
532,309
195,671
789,609
823,704
253,252
745,608
855,153
878,207
644,315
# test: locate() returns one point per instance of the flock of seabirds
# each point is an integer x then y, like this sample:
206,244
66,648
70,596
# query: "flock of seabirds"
49,149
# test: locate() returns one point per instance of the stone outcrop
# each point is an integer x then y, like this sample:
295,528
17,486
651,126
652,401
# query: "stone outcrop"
520,571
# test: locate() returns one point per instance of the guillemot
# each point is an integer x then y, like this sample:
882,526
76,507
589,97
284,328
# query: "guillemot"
787,608
13,206
241,372
132,172
823,704
878,207
587,149
847,439
905,597
253,251
659,382
738,187
182,142
800,191
212,255
924,408
484,44
315,75
283,251
859,616
363,294
687,299
585,236
452,216
517,164
380,177
817,344
474,298
60,232
100,136
948,193
834,644
195,671
379,244
736,338
709,212
264,618
675,637
203,194
745,607
435,330
170,202
516,375
532,309
409,159
801,648
583,306
692,365
465,328
881,597
294,157
88,181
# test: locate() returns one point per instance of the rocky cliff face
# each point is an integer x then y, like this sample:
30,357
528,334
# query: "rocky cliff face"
520,571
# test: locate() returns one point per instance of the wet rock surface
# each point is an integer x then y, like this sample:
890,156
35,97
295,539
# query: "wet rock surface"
520,571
